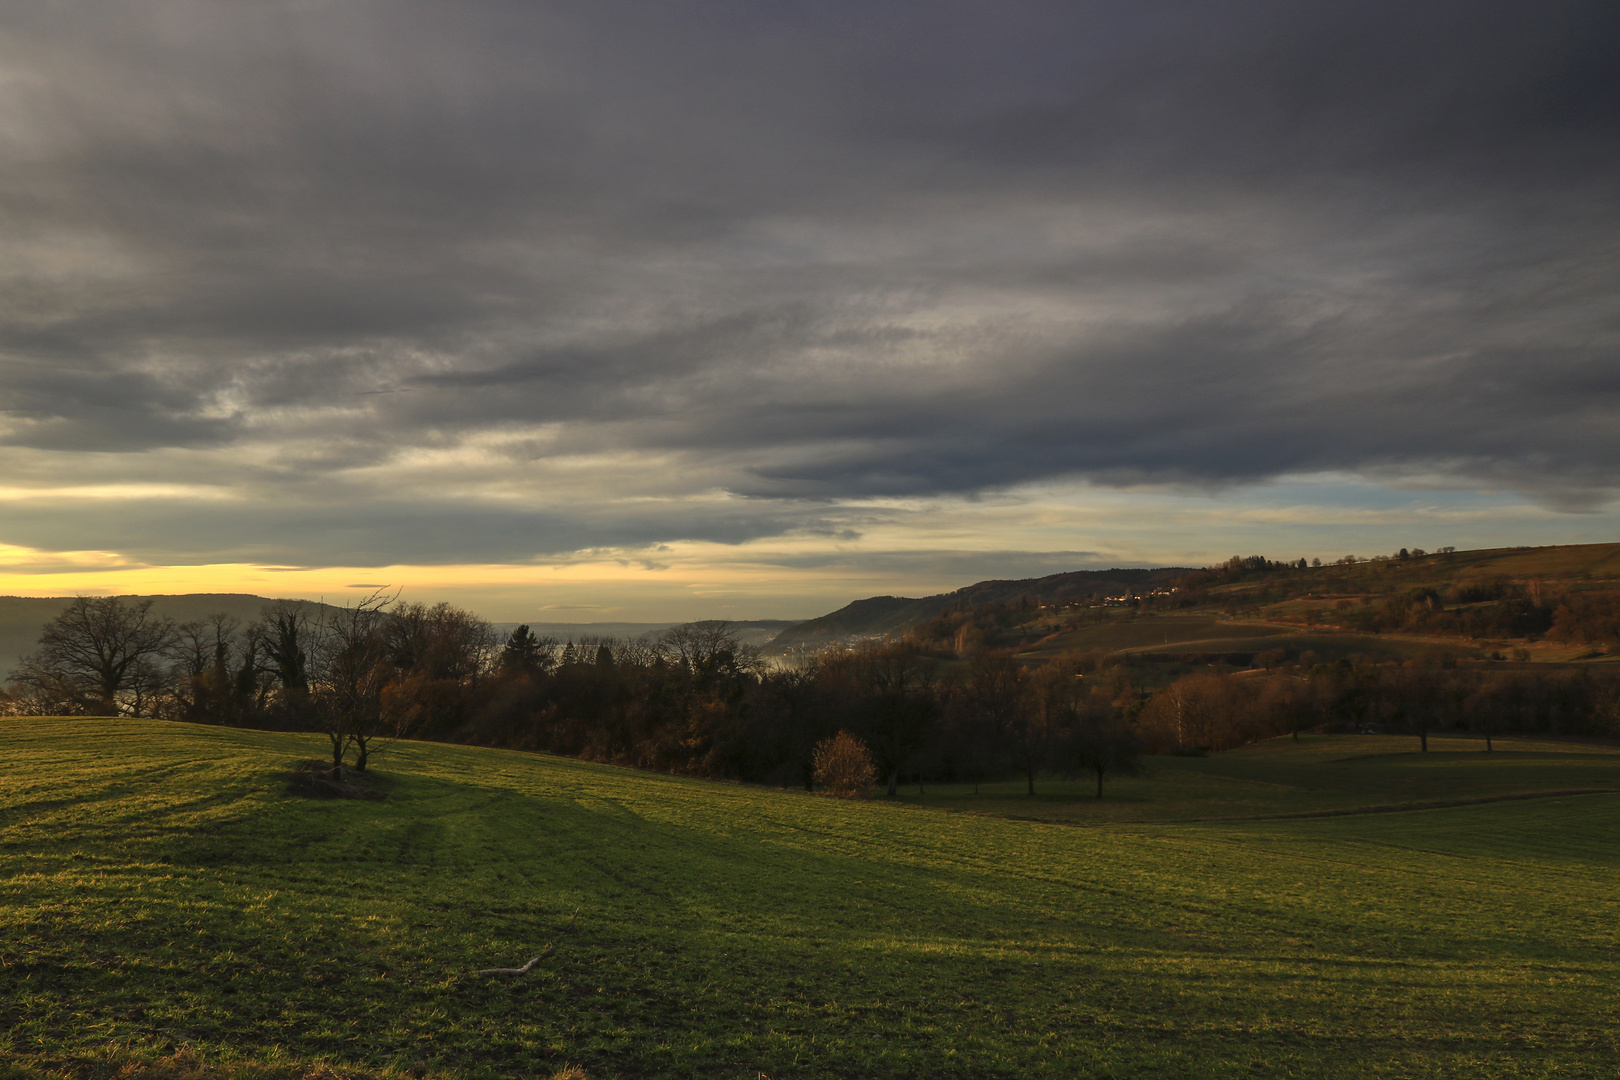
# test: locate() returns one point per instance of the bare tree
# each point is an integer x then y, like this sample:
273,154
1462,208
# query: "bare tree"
997,697
1051,706
643,651
437,654
709,651
439,642
1104,746
194,652
100,657
215,674
350,669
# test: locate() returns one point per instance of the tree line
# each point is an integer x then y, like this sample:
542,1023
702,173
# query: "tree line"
1419,697
696,701
366,671
693,700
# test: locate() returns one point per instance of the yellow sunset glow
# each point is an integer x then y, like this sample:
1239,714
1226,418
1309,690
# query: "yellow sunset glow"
866,547
671,584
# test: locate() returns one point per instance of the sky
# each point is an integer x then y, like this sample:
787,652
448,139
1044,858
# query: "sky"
628,311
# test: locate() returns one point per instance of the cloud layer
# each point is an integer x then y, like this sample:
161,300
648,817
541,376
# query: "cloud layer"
370,283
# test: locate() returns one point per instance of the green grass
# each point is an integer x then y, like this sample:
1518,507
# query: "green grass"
1316,775
1205,635
1327,647
1592,562
160,888
1129,631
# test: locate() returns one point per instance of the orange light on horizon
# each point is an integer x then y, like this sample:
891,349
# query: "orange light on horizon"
598,587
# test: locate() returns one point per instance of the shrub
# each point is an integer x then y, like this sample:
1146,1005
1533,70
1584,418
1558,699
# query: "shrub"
843,766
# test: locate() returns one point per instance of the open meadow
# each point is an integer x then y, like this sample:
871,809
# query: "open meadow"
161,888
1314,775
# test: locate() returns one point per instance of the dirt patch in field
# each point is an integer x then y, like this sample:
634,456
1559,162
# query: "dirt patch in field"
315,780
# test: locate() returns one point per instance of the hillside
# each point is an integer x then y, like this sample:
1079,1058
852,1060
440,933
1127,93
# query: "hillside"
882,615
1547,604
161,888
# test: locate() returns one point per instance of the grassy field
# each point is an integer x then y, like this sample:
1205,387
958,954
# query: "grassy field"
1324,647
1314,776
1174,635
1129,632
160,888
1588,562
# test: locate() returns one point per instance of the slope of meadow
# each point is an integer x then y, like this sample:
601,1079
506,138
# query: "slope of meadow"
161,887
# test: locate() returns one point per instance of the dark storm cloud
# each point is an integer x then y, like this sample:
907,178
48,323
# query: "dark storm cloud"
804,252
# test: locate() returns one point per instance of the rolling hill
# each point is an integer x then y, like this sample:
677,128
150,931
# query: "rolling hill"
878,616
1326,612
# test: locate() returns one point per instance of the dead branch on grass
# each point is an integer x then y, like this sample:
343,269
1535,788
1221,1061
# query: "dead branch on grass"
526,968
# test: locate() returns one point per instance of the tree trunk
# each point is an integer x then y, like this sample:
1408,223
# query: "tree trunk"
894,782
1100,776
1029,774
1423,740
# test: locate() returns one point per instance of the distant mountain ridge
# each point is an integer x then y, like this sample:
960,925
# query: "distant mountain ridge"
877,616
